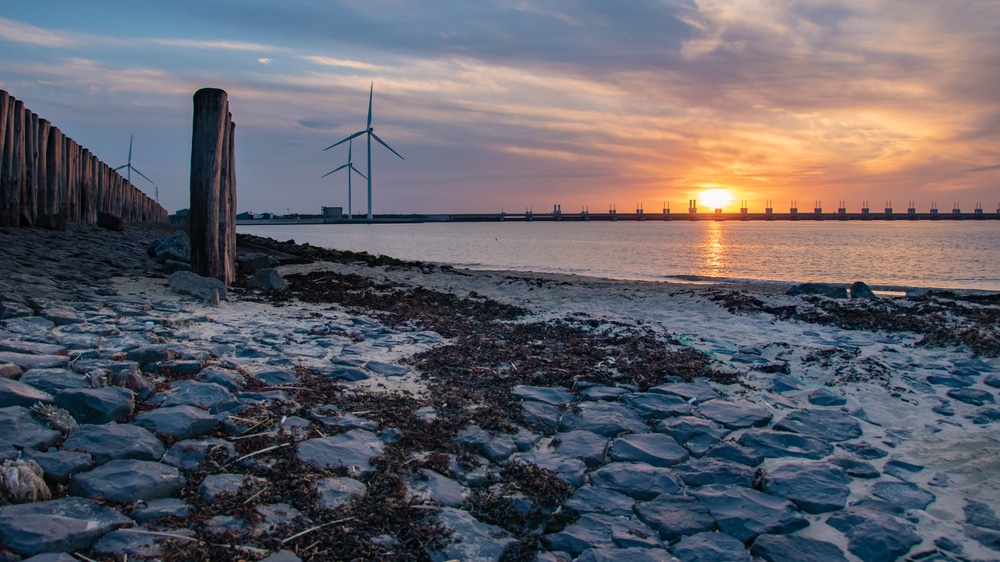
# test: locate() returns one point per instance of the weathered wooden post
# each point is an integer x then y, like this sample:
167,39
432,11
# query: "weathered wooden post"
13,166
43,166
211,178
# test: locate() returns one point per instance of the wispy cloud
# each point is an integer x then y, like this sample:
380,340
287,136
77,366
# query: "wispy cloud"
216,45
342,63
20,32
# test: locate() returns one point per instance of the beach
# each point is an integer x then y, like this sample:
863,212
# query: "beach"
419,411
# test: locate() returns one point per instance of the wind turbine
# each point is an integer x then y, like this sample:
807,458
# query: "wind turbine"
130,167
349,167
370,131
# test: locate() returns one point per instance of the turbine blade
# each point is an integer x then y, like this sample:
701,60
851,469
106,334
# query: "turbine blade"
335,170
382,142
350,148
371,93
358,171
120,167
357,134
130,149
142,174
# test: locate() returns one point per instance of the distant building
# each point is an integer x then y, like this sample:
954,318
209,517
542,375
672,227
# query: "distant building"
333,212
246,216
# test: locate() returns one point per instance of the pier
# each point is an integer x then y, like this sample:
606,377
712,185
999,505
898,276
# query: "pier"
718,216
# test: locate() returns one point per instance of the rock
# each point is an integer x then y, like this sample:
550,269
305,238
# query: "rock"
638,480
812,487
584,445
112,441
700,390
147,354
215,485
550,395
775,548
58,466
710,547
206,395
992,380
874,536
828,425
10,371
470,539
696,435
33,348
572,471
598,392
27,361
176,247
342,373
651,448
776,444
353,450
542,416
604,418
734,416
16,393
823,396
989,539
282,556
737,453
657,406
633,554
127,481
440,489
971,396
951,381
823,289
252,262
110,222
387,369
859,290
981,515
595,530
904,494
180,422
61,525
272,376
900,469
204,288
190,453
267,279
335,493
154,510
705,471
863,450
495,447
745,513
855,468
51,221
592,499
675,516
97,405
53,380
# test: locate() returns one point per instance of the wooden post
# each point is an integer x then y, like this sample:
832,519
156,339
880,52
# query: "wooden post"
53,170
227,203
13,167
208,153
29,184
4,108
43,166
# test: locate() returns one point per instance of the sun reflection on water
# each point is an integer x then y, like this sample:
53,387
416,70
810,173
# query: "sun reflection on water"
713,260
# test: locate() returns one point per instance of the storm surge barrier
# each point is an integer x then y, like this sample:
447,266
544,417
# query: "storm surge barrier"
44,173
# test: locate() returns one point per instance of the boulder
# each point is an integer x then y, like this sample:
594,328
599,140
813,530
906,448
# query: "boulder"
251,262
823,289
97,405
110,222
180,422
51,221
176,247
204,288
113,441
859,290
127,481
267,279
61,525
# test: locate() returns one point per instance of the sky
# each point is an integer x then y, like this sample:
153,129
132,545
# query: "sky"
519,104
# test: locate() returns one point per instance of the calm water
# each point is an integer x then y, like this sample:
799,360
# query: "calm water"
946,254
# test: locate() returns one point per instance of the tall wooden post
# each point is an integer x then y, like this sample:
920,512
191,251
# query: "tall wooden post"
13,166
43,166
210,154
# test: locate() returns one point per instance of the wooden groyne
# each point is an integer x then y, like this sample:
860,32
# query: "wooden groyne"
44,173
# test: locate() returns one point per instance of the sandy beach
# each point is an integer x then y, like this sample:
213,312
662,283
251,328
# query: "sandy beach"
440,372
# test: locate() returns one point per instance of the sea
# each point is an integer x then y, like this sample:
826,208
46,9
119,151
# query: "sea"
887,255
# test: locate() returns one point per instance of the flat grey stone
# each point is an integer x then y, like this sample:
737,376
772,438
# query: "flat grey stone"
571,470
203,288
696,435
27,361
734,416
874,536
855,468
827,425
823,289
710,547
604,418
353,449
335,493
216,484
705,471
745,513
700,390
638,480
951,381
190,453
812,487
342,373
632,554
33,348
657,406
791,548
777,444
113,441
598,392
127,481
593,499
595,530
548,394
656,449
231,380
22,429
135,544
387,369
981,515
442,490
541,415
904,494
972,396
675,516
97,405
210,396
53,380
823,396
273,376
154,510
864,451
731,451
901,469
61,525
471,540
267,279
181,422
493,446
587,446
58,466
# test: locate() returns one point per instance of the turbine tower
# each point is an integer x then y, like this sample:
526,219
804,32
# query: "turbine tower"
350,167
128,165
370,132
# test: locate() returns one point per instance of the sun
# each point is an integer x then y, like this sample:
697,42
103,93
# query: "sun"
715,198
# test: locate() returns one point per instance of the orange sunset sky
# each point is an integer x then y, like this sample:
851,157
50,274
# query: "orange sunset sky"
518,104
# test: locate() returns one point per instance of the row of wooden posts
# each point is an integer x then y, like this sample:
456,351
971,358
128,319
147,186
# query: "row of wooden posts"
43,172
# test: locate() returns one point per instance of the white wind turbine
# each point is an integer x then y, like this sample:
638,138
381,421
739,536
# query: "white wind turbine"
128,165
350,167
370,131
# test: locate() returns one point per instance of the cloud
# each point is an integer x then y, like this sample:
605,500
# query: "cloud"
318,124
342,63
264,60
20,32
213,44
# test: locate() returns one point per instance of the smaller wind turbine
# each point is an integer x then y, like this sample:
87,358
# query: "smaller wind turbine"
128,166
350,167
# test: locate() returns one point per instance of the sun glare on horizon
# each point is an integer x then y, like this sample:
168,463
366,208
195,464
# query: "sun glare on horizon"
715,198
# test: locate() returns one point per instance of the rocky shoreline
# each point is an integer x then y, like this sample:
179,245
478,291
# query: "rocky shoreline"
373,409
